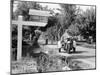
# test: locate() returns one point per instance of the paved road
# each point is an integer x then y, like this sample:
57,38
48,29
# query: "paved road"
86,55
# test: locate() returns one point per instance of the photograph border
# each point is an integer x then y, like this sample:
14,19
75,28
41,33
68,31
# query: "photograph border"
11,12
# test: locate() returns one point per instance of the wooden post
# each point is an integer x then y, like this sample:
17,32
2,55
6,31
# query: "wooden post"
19,42
20,22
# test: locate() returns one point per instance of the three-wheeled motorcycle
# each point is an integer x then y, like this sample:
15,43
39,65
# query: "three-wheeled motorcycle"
68,45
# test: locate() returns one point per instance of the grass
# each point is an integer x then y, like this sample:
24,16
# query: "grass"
43,63
49,62
27,65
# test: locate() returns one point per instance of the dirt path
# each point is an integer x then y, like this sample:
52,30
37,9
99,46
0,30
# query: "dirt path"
83,54
83,58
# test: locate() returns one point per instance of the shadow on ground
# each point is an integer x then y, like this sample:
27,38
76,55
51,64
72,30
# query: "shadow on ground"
78,52
86,45
80,57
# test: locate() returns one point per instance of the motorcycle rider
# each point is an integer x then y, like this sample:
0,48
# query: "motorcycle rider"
67,44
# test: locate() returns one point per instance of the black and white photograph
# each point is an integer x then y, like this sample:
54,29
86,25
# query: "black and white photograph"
52,37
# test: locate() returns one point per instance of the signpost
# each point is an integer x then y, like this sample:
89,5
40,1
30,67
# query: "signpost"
20,22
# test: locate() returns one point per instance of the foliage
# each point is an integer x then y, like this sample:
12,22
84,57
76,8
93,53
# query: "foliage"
23,9
87,23
60,22
73,30
70,18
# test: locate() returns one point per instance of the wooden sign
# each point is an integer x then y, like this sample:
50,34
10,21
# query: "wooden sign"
20,22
